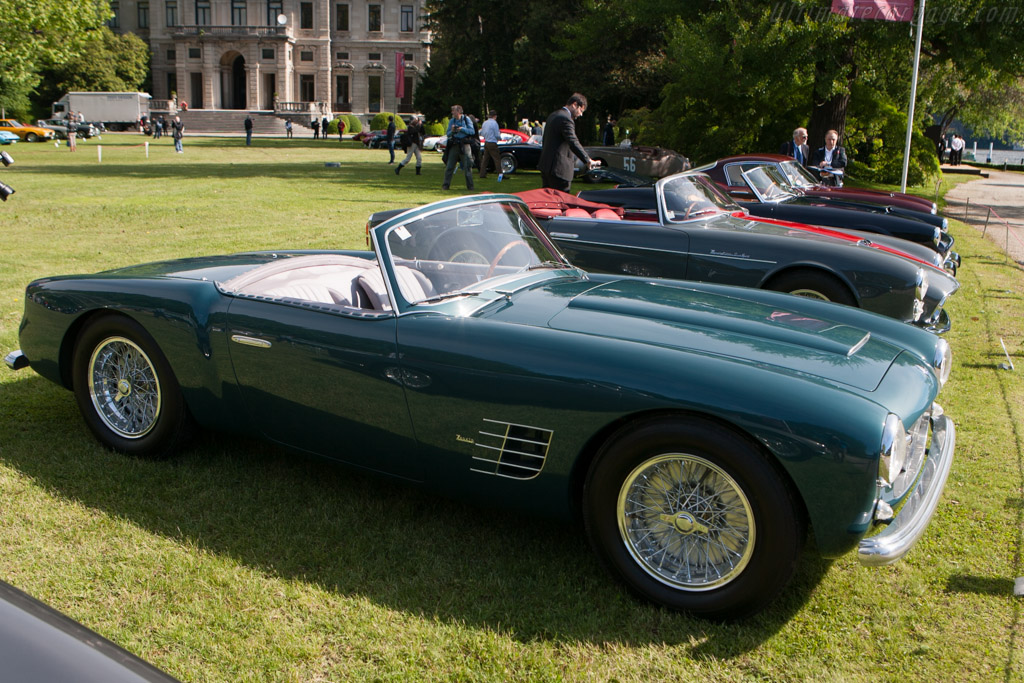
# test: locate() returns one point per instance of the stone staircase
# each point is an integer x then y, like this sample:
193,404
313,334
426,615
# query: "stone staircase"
233,120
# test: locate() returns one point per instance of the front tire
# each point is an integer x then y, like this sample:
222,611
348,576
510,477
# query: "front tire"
508,163
126,390
31,137
692,516
813,285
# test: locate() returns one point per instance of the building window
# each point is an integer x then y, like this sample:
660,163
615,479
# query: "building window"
406,104
341,14
143,15
268,53
193,53
341,56
238,13
408,57
374,90
171,10
171,56
407,18
374,57
274,9
306,56
374,21
307,88
305,15
172,85
202,13
115,21
341,92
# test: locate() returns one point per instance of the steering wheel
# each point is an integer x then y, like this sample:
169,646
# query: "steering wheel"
502,252
689,209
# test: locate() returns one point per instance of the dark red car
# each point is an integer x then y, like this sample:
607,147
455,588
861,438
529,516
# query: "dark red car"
727,173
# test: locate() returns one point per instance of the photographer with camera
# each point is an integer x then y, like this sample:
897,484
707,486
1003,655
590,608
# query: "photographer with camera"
460,133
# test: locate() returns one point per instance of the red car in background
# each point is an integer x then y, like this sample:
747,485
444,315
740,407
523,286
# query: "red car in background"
728,173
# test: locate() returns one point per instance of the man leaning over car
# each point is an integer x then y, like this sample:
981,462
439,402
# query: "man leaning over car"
560,143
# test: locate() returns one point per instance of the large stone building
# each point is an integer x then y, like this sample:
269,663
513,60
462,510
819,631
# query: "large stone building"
283,55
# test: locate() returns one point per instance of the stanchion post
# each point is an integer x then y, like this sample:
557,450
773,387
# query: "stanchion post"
99,153
966,207
985,229
147,148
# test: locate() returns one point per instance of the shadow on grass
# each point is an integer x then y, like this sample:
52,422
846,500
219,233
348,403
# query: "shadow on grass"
302,518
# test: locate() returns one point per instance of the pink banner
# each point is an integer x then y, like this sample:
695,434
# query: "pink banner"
885,10
399,75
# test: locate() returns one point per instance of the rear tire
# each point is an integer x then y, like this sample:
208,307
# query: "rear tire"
126,390
692,516
31,137
814,285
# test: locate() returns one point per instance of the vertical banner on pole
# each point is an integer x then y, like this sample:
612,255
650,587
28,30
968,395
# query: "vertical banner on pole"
399,78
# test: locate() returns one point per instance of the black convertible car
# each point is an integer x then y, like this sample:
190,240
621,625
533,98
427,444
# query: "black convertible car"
778,202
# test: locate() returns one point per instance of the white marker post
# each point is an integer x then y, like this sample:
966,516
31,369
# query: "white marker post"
99,153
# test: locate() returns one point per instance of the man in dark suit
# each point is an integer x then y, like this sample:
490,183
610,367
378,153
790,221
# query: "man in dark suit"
560,144
797,147
831,156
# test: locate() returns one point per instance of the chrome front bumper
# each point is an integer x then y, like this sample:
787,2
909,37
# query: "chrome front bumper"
16,360
902,533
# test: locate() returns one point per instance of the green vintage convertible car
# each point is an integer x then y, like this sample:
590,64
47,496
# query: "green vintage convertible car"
697,430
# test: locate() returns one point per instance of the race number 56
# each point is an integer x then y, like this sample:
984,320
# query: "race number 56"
629,164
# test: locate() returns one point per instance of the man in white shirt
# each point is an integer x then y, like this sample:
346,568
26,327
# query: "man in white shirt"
491,134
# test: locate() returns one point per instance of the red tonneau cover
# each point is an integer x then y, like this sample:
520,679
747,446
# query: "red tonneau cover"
547,202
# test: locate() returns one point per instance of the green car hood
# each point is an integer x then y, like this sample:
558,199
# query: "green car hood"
720,325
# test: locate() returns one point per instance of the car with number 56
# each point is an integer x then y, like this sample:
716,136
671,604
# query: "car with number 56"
698,431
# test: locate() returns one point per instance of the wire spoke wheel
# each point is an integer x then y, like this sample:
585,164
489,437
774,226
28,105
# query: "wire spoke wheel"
686,522
124,387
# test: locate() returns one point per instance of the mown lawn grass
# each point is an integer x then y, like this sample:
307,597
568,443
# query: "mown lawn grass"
239,561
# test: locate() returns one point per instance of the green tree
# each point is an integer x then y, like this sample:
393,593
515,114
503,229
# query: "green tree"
105,62
35,33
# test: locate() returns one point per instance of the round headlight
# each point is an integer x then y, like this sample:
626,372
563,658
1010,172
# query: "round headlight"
893,453
945,223
942,362
922,285
936,236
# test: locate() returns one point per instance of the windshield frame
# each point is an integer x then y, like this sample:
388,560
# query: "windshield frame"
501,283
718,201
782,191
804,178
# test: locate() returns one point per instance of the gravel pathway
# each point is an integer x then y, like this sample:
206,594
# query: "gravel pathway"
1003,193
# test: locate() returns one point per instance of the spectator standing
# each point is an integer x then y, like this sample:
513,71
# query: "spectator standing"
492,134
956,152
72,131
560,144
391,138
458,150
341,129
323,127
158,128
797,147
608,132
177,132
248,130
288,128
830,156
316,127
413,135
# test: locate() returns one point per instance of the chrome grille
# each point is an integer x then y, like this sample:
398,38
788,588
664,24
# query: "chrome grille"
920,436
511,450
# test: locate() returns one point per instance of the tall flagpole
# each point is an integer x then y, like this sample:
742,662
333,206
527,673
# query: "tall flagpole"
913,96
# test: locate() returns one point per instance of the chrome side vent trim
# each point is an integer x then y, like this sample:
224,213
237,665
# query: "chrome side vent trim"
511,450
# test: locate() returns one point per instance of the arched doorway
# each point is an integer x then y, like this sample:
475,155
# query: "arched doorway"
233,86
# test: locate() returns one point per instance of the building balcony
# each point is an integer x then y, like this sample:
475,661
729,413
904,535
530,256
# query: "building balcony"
229,31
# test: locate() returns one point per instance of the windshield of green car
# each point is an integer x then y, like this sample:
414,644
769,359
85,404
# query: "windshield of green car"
798,175
769,184
464,249
692,195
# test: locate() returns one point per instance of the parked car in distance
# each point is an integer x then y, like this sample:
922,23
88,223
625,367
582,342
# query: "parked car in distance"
698,431
776,199
728,173
38,643
60,128
8,138
26,133
684,227
654,162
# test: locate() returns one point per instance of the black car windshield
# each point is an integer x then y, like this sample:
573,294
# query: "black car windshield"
692,195
460,247
798,175
769,184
